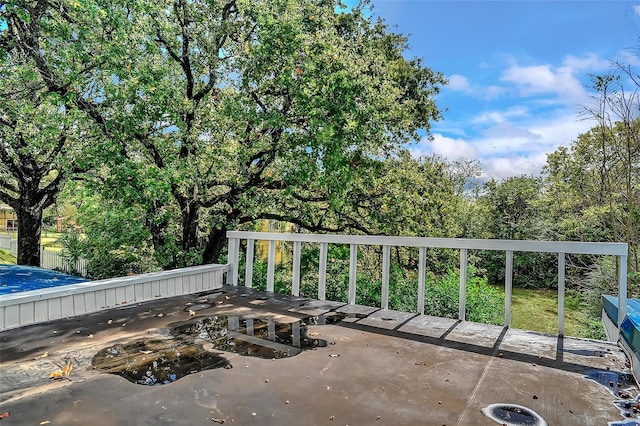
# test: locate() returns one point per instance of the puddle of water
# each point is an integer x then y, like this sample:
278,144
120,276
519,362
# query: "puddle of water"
513,415
629,408
333,318
256,337
154,362
192,344
621,385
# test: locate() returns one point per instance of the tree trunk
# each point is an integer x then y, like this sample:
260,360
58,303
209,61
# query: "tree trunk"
215,244
29,230
189,225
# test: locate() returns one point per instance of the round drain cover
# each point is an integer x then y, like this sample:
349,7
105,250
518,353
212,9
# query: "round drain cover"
513,415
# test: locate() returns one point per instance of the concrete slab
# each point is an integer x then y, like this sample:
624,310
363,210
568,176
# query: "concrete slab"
426,325
365,374
530,342
485,335
316,307
354,313
387,319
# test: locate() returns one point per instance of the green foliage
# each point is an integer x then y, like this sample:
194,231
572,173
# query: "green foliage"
113,241
484,303
71,240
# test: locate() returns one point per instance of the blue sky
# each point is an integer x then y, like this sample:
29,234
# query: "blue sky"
518,70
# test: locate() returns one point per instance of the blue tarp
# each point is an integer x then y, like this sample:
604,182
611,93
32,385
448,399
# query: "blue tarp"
16,278
630,328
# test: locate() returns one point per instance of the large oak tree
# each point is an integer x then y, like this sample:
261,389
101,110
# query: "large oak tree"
221,113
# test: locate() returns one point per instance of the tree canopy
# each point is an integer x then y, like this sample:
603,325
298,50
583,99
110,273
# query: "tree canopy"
216,114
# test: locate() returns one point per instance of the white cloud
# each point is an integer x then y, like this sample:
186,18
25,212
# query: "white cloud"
505,167
509,143
494,116
458,82
637,10
543,79
591,62
448,148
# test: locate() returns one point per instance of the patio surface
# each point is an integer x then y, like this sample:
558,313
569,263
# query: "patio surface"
371,367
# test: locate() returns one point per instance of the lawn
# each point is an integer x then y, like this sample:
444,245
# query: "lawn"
6,258
51,240
537,310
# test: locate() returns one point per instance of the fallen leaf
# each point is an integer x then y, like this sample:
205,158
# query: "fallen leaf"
62,373
3,415
58,374
46,422
67,369
110,322
44,355
192,313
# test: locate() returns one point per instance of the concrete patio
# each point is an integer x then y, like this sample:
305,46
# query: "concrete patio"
365,366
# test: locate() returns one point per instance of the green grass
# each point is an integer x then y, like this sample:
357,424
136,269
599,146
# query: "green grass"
537,310
51,240
6,258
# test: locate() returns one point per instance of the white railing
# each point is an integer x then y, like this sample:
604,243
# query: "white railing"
29,307
7,242
463,245
50,259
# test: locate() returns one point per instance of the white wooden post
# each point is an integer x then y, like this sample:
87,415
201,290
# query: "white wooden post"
508,287
561,271
322,271
622,290
353,267
386,255
463,285
422,266
271,265
248,273
295,276
232,258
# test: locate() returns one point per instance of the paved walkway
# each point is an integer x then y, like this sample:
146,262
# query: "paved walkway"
362,367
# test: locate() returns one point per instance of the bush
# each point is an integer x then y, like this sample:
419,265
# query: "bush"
483,303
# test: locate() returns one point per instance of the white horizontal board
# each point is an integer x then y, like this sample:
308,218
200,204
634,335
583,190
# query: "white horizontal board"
18,309
599,248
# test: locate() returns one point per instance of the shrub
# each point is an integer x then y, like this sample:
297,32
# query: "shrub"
483,303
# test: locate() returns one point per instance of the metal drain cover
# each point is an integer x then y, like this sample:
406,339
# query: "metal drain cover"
513,415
